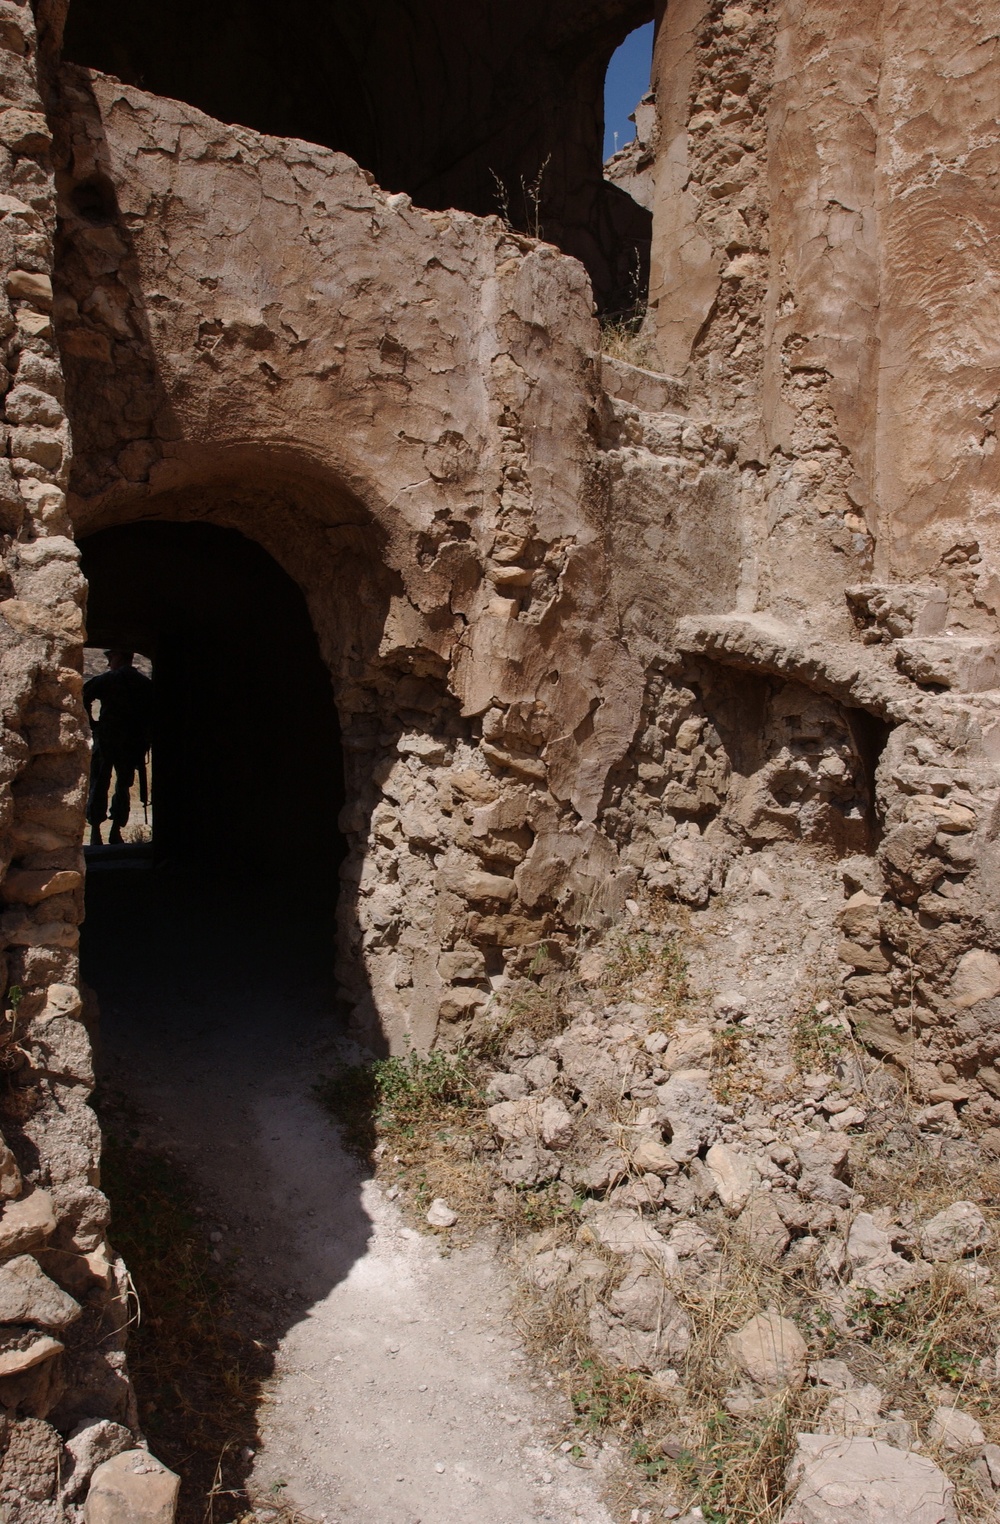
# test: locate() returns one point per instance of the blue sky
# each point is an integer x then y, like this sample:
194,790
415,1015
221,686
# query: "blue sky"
627,82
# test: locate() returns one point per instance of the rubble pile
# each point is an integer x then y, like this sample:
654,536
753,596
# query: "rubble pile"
750,1215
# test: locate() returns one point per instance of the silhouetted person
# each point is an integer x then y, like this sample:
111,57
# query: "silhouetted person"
121,740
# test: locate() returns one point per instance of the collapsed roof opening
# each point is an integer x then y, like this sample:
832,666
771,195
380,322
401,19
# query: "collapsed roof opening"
246,753
629,154
496,107
625,84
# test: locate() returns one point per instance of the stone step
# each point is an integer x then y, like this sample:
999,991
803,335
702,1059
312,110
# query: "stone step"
647,390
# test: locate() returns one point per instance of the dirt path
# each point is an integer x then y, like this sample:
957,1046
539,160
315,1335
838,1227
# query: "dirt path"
400,1394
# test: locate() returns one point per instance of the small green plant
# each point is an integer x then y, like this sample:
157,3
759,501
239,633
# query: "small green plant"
877,1315
602,1396
624,339
624,333
651,1466
537,1208
728,1054
421,1119
817,1039
396,1096
530,221
656,965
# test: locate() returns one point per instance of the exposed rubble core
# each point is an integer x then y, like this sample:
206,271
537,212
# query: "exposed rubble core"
717,631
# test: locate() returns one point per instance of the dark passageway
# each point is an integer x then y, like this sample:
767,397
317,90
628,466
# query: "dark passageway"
247,778
211,954
246,746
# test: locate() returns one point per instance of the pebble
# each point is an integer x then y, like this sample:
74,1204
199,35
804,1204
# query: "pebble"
440,1214
439,1468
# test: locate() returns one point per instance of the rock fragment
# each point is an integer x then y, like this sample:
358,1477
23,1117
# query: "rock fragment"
772,1352
733,1175
627,1234
689,1110
643,1327
958,1230
132,1488
93,1441
440,1214
953,1430
26,1224
762,1230
865,1481
27,1295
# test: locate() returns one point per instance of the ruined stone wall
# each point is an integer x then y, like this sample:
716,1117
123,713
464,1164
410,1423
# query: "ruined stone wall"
588,625
822,296
567,570
62,1294
398,405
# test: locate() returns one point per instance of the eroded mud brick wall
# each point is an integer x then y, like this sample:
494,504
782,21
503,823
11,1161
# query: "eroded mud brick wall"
823,289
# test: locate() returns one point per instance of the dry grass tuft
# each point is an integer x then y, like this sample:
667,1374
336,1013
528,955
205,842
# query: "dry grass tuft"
681,1447
420,1121
735,1464
538,1010
818,1039
895,1167
651,968
623,339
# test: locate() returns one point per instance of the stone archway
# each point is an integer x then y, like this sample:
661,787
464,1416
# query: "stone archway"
419,461
218,533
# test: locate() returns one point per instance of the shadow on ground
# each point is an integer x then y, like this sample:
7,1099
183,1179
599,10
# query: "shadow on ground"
231,1201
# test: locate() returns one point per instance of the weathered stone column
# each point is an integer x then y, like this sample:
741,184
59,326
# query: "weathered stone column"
62,1304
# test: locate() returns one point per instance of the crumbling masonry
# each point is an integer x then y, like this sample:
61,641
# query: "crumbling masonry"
589,625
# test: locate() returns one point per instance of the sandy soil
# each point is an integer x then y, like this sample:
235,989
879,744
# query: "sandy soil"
399,1393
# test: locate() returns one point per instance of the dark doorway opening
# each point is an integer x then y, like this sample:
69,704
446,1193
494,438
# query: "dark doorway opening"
211,956
246,747
237,897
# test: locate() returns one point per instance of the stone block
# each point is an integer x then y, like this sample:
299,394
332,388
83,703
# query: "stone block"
26,1224
865,1481
132,1488
771,1351
27,1295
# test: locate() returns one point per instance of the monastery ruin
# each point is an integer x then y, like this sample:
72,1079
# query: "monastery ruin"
593,630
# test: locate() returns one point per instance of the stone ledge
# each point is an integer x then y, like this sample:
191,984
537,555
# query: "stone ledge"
855,675
960,663
647,390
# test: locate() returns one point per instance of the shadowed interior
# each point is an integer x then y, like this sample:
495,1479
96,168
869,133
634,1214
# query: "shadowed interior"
247,761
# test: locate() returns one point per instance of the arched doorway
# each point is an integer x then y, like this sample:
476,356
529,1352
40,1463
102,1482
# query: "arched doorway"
211,954
247,783
247,759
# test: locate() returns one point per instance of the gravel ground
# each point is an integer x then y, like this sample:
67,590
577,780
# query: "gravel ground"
399,1392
